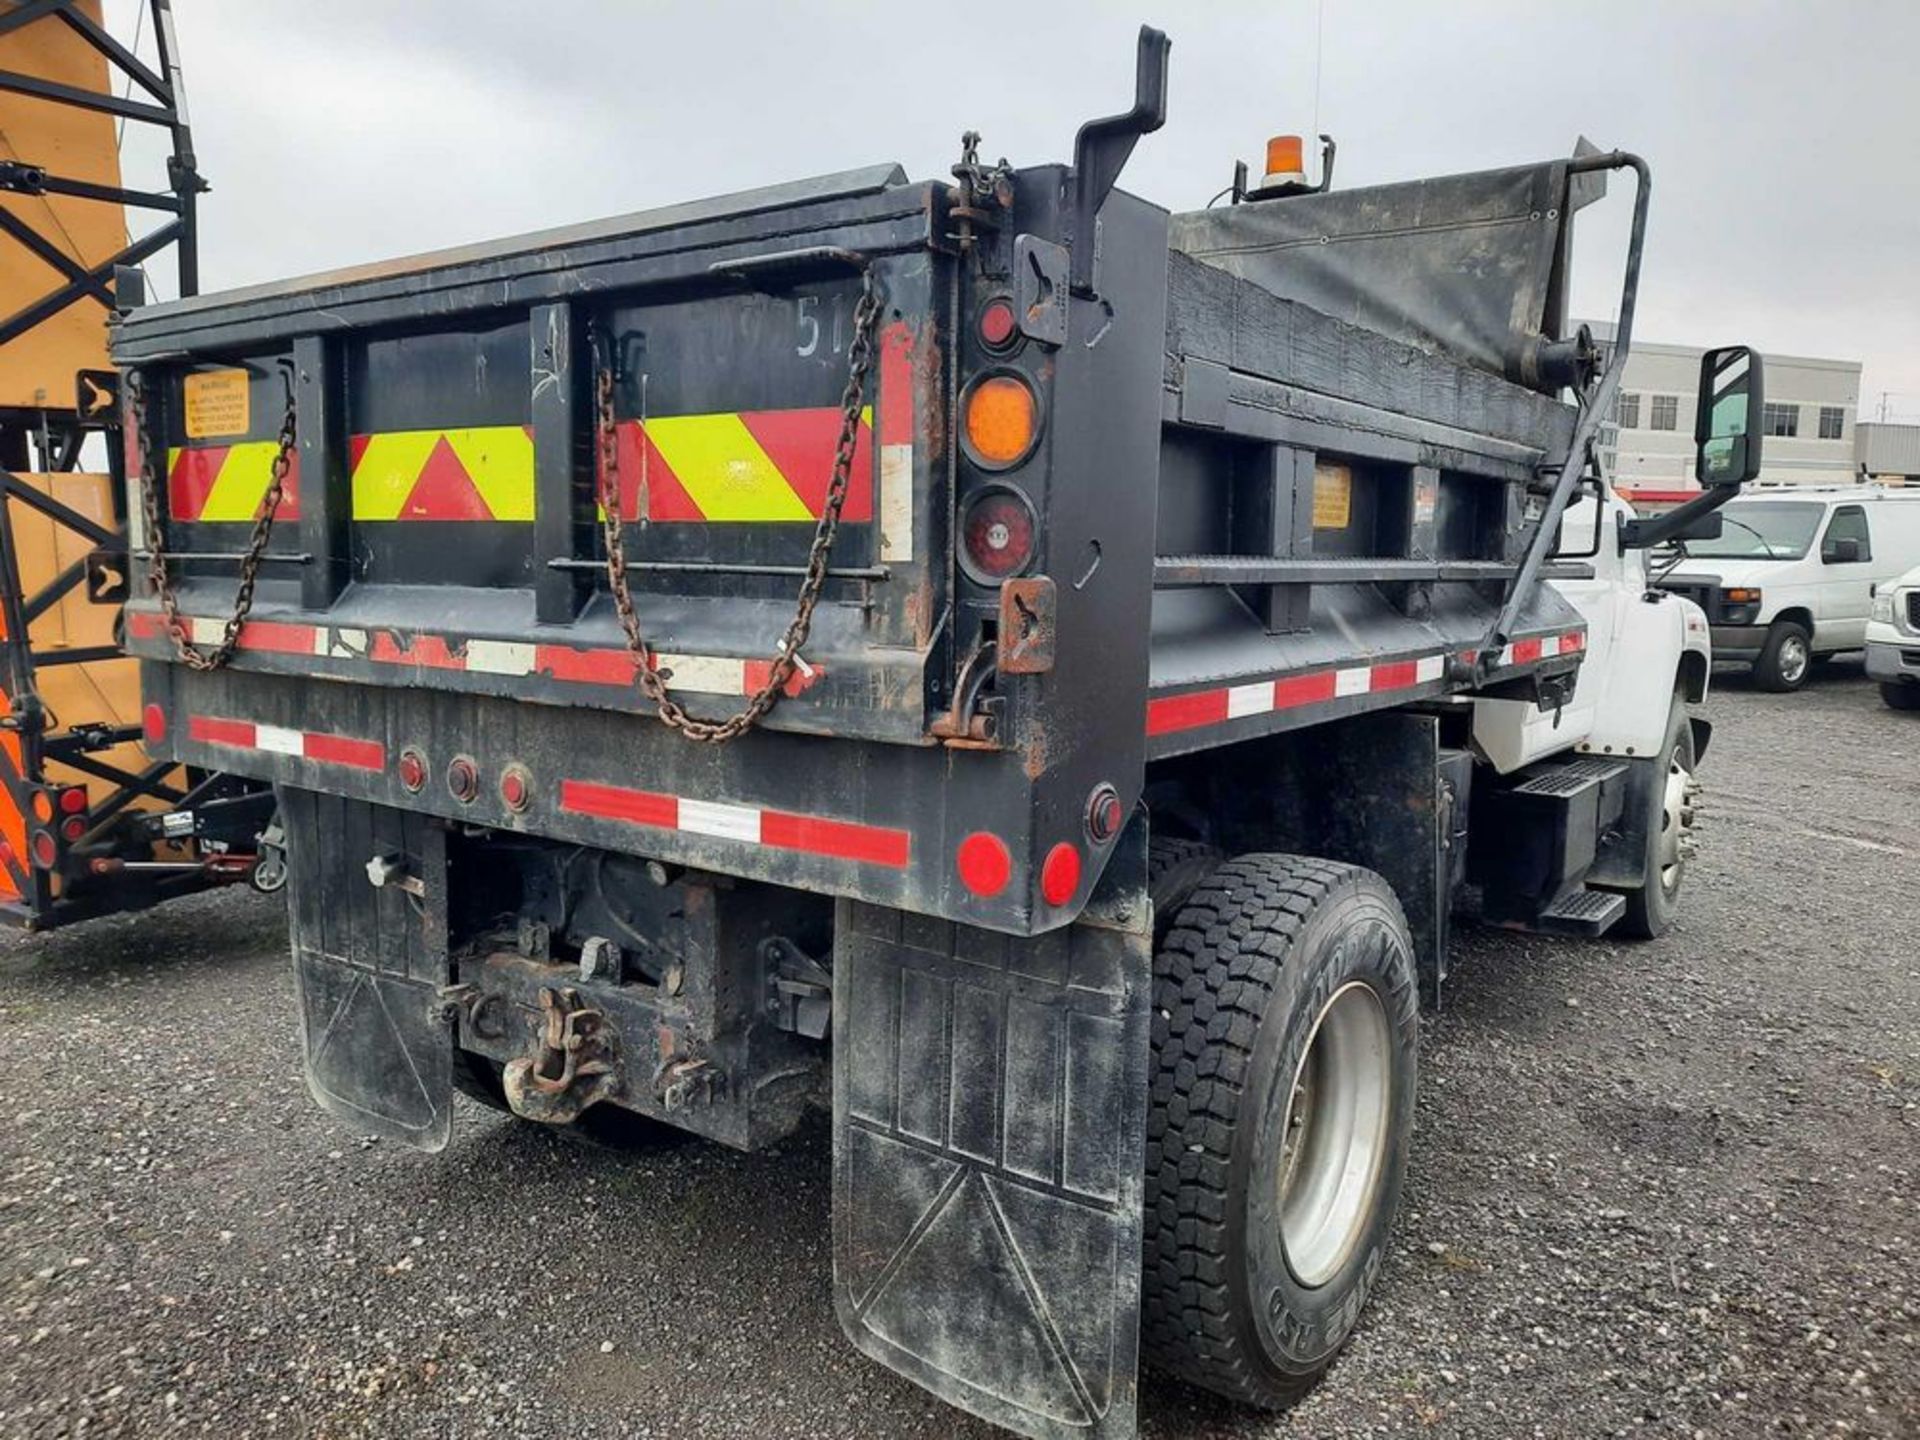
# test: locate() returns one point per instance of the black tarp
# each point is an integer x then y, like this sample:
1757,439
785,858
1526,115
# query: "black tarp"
1469,265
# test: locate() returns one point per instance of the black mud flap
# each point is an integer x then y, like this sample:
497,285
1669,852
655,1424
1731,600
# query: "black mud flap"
990,1099
371,960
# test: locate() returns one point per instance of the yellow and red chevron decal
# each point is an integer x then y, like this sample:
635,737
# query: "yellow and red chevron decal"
228,482
484,472
740,465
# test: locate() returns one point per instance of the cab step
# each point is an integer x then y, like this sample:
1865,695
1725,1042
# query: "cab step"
1582,912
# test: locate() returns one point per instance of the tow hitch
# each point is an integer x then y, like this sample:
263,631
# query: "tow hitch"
572,1067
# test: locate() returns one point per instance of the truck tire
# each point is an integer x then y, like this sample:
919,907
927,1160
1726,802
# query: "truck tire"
1285,1005
1175,868
1900,694
1786,659
1651,908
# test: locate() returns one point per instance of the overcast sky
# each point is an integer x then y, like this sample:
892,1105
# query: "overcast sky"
1782,135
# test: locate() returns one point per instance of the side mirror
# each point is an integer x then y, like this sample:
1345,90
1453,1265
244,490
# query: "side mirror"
1843,551
1726,433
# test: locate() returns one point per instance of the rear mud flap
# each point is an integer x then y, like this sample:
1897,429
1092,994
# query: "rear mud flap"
370,961
989,1121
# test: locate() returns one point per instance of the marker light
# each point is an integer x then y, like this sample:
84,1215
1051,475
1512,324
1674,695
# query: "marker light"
997,535
985,864
42,806
153,721
413,770
1002,417
998,326
1060,874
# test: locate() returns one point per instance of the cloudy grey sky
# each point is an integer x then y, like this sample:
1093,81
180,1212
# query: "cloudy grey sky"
1782,134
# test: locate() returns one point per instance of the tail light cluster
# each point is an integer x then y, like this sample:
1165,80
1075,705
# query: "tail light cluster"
59,814
1001,422
463,779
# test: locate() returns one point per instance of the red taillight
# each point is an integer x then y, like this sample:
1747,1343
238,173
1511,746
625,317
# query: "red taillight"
463,779
1060,874
153,721
73,801
998,326
413,770
985,864
45,852
998,534
1104,815
74,827
516,788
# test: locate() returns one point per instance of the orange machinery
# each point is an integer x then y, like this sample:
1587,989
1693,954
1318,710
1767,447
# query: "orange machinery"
88,824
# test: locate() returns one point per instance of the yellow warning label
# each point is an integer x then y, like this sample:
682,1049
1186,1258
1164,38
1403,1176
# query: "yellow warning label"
1332,496
216,403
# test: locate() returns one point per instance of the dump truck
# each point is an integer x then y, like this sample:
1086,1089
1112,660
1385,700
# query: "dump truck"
1028,673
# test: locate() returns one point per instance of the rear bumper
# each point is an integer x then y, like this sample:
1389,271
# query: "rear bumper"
1893,662
1738,642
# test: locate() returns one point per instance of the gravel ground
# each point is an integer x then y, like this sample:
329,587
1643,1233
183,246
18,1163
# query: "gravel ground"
1664,1189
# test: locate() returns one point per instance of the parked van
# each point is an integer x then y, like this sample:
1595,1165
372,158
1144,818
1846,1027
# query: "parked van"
1893,640
1790,579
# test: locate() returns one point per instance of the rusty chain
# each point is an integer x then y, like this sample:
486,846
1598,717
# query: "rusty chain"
178,625
786,660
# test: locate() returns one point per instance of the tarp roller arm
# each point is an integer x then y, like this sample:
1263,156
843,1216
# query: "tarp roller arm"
1596,406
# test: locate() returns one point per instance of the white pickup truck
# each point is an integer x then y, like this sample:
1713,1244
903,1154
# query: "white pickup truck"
1790,579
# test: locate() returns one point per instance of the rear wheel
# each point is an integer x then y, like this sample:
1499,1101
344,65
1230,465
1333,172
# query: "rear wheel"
1282,1102
1786,658
1175,868
1900,694
1651,908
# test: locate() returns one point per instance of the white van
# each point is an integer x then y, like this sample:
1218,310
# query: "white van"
1790,580
1893,640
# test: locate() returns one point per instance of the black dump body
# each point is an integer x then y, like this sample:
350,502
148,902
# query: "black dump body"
1311,517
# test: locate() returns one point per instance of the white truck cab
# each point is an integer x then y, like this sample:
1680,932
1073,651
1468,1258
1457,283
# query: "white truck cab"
1893,640
1790,579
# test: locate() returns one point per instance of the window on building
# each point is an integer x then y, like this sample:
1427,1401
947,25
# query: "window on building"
1780,419
1627,410
1666,412
1833,422
1849,523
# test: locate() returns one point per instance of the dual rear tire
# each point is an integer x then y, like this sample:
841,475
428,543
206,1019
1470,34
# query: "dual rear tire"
1285,1026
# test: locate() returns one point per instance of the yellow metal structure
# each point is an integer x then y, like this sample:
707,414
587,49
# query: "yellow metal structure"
37,369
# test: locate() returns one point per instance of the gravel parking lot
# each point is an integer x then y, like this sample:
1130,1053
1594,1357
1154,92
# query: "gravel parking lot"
1663,1189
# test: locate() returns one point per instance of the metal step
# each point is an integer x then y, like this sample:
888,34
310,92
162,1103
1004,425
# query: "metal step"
1568,780
1583,912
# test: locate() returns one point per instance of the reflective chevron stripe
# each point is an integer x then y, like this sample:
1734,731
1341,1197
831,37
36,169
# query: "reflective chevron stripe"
480,473
752,465
228,483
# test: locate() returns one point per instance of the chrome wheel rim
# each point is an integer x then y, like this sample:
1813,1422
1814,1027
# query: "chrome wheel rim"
1793,659
1675,843
1334,1150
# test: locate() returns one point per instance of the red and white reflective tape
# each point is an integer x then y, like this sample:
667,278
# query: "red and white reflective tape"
278,740
1543,647
750,824
702,674
1169,714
